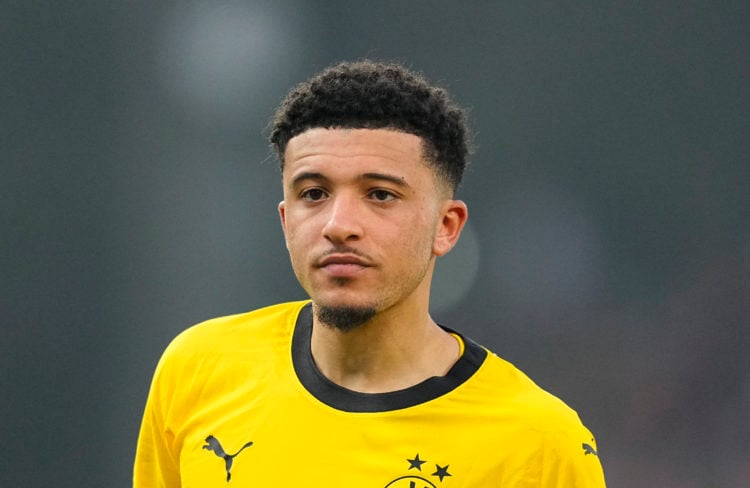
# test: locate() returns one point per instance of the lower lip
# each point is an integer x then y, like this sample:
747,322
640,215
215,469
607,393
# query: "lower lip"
343,270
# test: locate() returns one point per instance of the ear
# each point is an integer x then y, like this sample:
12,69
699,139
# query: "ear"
282,216
453,217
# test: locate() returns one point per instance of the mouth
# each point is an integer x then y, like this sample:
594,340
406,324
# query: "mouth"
342,265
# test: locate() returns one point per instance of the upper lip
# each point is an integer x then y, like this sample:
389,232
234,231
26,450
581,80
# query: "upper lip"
337,258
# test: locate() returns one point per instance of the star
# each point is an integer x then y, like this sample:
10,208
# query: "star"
416,462
441,472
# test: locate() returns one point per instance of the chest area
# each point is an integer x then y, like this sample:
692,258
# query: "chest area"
291,442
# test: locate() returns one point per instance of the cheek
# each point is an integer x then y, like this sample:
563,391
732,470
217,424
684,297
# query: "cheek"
418,238
293,242
297,256
299,238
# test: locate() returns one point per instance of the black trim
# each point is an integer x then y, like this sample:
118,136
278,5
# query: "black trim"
347,400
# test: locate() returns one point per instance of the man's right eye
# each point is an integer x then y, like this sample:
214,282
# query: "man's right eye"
313,195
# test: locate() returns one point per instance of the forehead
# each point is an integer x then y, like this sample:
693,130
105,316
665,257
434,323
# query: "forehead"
376,146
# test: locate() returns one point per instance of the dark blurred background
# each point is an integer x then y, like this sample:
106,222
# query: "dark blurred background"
607,255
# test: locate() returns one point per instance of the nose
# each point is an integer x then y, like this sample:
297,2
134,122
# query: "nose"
343,219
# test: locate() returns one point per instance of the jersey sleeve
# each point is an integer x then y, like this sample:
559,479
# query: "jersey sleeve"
571,460
156,460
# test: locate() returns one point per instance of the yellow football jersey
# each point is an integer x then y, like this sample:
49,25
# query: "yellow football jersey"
238,402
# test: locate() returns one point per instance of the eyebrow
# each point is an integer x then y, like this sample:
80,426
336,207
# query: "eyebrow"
307,175
311,175
396,180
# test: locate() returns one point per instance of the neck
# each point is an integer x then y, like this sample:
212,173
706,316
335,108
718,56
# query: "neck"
392,351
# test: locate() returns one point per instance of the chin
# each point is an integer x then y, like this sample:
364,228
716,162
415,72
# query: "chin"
343,297
344,315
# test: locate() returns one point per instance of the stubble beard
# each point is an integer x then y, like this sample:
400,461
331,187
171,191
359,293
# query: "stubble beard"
344,318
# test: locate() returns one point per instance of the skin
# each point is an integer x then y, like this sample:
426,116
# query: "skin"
364,217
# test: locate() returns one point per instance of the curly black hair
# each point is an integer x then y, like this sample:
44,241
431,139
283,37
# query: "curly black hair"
373,95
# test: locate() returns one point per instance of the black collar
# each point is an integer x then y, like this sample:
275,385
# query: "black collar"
347,400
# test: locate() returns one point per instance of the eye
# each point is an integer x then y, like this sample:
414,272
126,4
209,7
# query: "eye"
382,195
313,195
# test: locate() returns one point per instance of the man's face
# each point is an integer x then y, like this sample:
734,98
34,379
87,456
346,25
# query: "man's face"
364,216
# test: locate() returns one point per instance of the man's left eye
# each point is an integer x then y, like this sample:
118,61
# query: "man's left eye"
382,195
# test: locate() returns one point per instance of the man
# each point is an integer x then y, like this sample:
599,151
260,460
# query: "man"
358,386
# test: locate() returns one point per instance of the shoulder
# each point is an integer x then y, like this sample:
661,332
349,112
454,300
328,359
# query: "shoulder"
548,436
509,391
241,334
223,329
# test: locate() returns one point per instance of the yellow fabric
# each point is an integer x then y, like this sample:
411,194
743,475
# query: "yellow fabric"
228,386
460,343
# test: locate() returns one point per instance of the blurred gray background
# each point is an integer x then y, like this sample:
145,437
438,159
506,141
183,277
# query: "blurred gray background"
607,255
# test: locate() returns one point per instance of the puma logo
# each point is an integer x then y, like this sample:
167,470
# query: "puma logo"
213,444
587,449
